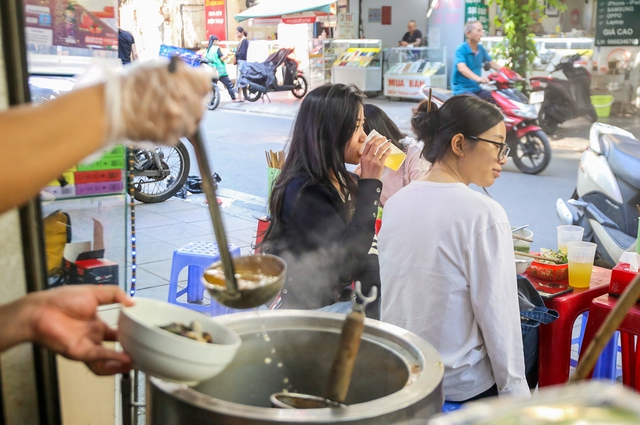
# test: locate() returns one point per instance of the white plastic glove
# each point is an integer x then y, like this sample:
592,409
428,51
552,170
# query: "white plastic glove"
146,102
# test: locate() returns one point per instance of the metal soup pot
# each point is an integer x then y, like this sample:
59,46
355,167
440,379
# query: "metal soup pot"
397,377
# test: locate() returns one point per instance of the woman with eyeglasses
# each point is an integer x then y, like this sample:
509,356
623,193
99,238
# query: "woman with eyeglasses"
446,253
322,216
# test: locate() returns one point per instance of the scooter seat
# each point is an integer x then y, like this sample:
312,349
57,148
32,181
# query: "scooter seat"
623,154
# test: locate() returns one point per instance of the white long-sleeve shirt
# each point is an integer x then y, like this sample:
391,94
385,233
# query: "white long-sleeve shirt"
448,274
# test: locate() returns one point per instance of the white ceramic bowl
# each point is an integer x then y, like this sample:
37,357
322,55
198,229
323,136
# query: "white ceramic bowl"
522,264
173,357
519,245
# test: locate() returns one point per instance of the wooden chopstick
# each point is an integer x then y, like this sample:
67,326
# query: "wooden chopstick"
536,257
522,238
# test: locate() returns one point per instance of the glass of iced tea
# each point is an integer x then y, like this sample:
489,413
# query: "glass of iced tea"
581,256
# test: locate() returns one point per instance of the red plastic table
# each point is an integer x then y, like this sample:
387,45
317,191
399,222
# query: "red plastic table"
629,328
555,338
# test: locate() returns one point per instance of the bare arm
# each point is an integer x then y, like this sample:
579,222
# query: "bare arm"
41,142
134,52
418,42
464,70
495,65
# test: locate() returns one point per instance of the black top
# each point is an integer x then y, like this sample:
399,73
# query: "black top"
125,41
410,39
323,249
241,51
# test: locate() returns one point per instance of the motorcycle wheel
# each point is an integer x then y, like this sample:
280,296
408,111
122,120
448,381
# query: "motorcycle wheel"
250,95
175,169
215,98
532,153
301,87
546,121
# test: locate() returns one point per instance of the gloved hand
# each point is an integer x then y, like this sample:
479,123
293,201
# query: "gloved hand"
146,102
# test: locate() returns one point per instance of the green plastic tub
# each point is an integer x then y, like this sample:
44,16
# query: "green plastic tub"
602,103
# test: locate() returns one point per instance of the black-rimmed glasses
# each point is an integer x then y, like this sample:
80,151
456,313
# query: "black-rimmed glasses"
503,150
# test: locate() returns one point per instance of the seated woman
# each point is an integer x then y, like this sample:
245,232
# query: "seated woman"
414,166
446,254
322,217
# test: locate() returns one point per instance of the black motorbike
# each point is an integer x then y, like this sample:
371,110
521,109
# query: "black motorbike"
257,79
564,99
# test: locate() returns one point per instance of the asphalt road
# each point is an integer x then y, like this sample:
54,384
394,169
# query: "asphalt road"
237,141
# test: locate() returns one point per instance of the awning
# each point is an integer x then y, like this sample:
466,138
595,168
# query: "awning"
278,8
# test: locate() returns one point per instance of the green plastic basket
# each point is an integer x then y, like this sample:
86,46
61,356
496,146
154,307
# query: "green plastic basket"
602,103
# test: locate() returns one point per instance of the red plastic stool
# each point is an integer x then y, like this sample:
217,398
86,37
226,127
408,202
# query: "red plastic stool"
629,329
555,338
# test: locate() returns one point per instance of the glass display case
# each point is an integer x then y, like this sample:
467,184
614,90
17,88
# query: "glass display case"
412,67
357,62
317,61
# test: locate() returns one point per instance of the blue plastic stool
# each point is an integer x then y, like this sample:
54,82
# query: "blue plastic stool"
606,365
197,256
450,406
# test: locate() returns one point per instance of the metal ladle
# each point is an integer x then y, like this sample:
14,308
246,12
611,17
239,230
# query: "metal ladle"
343,362
271,267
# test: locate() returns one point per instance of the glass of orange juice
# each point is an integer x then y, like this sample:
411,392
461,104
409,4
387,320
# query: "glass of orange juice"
396,157
581,256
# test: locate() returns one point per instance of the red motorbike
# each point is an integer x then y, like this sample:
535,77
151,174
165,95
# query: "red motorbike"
529,145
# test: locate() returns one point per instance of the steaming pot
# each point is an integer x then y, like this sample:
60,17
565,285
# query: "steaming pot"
397,377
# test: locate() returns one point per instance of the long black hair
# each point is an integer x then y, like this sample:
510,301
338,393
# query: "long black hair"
377,119
461,114
324,125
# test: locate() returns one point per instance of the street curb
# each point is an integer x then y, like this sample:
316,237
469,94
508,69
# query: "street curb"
251,110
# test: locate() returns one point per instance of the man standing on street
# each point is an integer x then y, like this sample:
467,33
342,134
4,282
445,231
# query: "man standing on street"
467,64
126,47
413,37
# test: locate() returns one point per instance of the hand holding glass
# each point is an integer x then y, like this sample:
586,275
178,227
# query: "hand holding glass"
396,157
581,256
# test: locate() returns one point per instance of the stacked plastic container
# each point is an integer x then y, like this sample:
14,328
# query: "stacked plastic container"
103,176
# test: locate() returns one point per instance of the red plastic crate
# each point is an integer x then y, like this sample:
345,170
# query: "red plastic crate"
82,177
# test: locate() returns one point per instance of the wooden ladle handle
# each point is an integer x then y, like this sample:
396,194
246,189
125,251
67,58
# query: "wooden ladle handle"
344,361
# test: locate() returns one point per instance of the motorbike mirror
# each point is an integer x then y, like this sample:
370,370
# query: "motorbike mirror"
487,66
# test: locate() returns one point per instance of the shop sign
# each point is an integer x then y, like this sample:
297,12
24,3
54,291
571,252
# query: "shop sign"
347,27
375,15
265,22
299,18
215,18
618,23
399,86
80,23
475,11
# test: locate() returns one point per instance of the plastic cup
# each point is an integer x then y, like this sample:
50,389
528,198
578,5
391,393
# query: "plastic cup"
396,156
568,233
520,245
581,256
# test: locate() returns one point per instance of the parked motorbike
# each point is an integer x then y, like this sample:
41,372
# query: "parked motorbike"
564,99
607,192
529,145
258,79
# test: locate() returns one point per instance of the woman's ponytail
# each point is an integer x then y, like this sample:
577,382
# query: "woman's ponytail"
425,126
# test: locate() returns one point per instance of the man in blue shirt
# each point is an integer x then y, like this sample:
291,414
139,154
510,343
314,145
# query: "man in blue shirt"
468,62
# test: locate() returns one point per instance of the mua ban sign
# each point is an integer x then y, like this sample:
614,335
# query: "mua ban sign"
399,86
